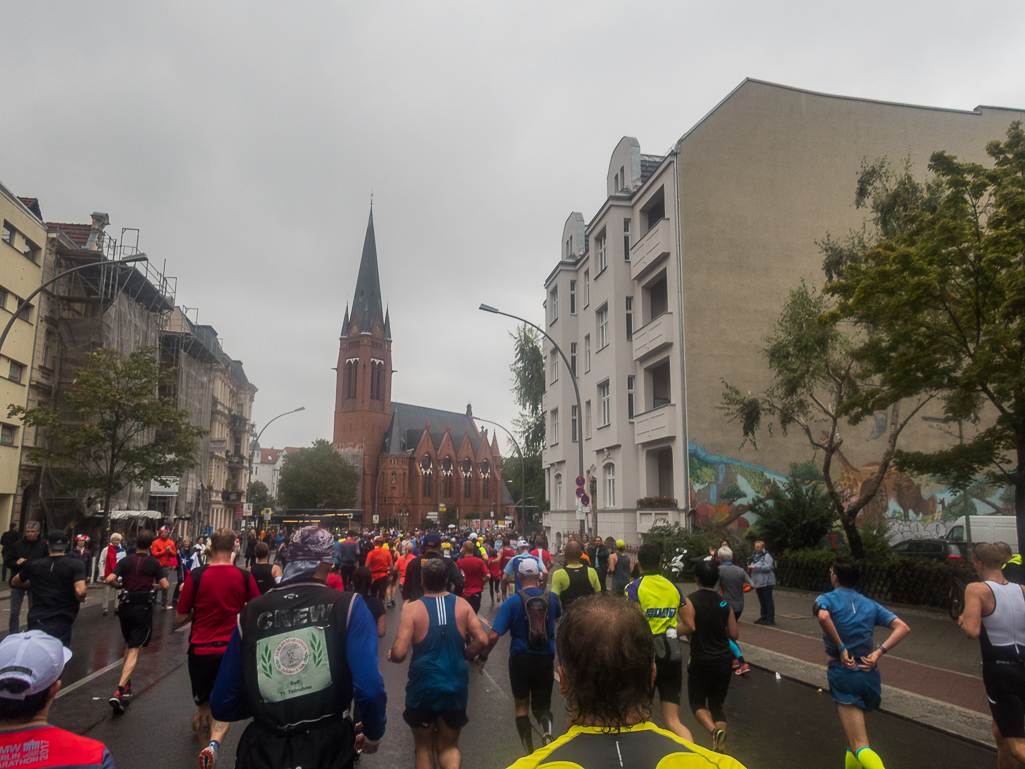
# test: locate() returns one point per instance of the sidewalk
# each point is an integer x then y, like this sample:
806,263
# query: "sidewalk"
932,677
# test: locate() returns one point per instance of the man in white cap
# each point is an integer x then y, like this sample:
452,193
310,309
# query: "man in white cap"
529,618
30,668
512,569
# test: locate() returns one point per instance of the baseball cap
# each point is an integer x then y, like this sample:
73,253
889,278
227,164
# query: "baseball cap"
58,540
33,658
522,543
528,566
446,545
165,528
432,538
620,544
473,535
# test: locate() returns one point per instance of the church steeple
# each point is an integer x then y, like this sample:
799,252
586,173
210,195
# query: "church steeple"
366,303
345,323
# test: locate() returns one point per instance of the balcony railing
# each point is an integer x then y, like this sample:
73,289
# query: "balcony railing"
231,496
235,460
238,421
653,336
650,248
655,424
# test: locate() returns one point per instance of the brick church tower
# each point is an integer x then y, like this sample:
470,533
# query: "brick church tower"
363,386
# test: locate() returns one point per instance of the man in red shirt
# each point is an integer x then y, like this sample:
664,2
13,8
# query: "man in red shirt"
379,562
507,554
163,550
475,574
212,597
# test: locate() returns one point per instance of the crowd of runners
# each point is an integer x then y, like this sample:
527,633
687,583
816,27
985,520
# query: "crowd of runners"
284,630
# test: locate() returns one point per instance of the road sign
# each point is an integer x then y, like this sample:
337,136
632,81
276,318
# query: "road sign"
441,509
581,515
238,512
376,518
585,500
247,508
580,492
580,480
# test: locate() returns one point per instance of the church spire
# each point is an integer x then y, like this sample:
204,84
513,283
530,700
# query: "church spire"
387,324
366,304
345,323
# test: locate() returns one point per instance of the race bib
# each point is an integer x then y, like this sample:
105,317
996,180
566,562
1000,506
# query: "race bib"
292,664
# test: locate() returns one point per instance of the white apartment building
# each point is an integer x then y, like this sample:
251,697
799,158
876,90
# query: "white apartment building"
675,282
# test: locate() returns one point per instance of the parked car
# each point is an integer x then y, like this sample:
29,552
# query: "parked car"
935,549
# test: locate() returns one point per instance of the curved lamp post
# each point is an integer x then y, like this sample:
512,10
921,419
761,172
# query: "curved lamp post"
523,466
576,389
257,442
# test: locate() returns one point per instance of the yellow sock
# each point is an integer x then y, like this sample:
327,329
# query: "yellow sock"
850,762
869,759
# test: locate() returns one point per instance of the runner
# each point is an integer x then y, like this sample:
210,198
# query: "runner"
360,585
994,613
847,620
619,568
506,554
576,579
709,622
599,554
542,555
610,725
512,573
661,601
403,562
495,573
475,574
732,581
56,586
136,575
379,562
265,574
413,588
393,574
30,669
436,627
529,617
163,550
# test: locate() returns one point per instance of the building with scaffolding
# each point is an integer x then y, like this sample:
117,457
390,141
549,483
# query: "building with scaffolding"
21,269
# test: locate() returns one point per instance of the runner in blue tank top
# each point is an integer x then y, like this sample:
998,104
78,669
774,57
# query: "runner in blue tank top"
435,627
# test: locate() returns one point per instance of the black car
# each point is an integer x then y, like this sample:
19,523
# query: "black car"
935,549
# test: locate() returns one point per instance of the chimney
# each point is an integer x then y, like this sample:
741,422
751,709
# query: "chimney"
469,411
95,242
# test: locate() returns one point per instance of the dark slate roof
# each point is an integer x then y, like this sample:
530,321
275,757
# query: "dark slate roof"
648,165
387,323
239,373
366,303
208,336
408,422
32,204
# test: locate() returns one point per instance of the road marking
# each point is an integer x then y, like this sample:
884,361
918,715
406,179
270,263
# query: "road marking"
87,679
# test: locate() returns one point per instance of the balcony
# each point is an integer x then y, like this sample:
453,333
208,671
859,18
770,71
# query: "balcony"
656,424
235,460
650,249
238,422
656,335
231,496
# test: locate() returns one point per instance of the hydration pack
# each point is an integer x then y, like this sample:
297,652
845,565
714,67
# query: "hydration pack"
536,609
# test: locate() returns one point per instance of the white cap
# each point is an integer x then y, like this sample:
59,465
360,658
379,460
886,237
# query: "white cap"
33,657
522,543
473,535
528,566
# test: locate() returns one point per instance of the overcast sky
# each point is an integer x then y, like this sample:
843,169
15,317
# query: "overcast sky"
244,138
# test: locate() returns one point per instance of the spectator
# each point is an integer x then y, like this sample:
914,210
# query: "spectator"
763,578
28,548
7,542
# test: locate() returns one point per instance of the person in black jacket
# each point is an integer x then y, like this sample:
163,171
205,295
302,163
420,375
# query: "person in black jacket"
28,548
412,587
7,541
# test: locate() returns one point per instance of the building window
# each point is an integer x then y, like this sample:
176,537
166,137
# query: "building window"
7,434
587,287
351,371
16,371
380,380
467,478
615,184
601,321
373,380
8,234
557,495
629,317
622,177
626,239
425,471
587,420
553,367
485,479
553,435
630,396
573,358
587,353
574,419
446,475
600,243
3,298
610,485
654,210
49,347
30,250
605,417
553,304
394,480
572,297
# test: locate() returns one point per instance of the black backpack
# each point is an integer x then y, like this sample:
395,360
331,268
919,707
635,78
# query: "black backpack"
535,607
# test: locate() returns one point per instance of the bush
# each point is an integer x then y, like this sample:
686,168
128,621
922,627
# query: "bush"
795,517
657,503
669,537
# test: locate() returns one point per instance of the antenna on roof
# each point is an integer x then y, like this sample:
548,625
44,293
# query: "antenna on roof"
371,198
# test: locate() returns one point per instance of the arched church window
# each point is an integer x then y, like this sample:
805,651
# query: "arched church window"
373,380
394,480
467,478
485,475
380,381
425,471
446,473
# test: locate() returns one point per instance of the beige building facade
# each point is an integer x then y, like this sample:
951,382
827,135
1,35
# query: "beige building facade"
676,281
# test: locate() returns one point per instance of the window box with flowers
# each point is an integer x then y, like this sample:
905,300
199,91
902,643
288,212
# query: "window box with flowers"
657,503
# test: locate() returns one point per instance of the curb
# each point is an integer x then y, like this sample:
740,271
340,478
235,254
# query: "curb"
944,717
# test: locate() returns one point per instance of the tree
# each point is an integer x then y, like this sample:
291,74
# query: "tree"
814,376
317,477
944,300
260,497
534,482
112,429
529,388
799,517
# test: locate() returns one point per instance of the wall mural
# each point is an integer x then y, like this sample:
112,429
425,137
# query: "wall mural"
725,490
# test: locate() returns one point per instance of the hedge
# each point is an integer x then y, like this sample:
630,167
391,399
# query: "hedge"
917,581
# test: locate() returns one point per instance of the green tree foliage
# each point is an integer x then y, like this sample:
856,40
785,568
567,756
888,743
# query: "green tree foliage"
317,477
807,472
112,429
535,484
529,388
259,496
942,305
814,375
797,516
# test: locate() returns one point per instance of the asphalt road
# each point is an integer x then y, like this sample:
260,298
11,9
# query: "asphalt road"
772,723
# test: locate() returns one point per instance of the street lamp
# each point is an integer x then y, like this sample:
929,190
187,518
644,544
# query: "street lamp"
523,466
576,389
25,302
257,442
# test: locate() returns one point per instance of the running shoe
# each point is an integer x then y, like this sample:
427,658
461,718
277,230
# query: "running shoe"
208,756
743,670
117,702
126,691
547,739
736,664
719,740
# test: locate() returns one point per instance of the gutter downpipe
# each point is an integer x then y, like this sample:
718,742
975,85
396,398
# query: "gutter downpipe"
683,342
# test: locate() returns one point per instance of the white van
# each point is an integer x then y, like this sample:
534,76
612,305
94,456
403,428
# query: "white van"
986,528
